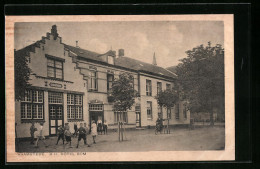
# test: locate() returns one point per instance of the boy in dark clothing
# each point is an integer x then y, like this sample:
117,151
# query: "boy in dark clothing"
60,134
32,130
82,135
75,129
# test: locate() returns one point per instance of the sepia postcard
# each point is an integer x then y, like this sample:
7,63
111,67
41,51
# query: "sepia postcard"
101,88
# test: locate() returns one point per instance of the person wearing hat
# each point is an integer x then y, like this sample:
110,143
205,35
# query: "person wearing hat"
82,135
40,136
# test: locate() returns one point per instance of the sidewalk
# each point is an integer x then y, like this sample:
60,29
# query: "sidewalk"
206,138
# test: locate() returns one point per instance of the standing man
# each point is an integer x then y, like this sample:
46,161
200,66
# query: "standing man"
32,130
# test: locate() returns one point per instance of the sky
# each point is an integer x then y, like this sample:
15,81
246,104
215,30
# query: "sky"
139,39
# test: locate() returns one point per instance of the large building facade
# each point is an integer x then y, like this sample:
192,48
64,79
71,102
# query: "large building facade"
73,85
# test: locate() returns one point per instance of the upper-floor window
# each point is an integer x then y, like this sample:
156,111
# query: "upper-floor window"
149,110
168,86
148,88
110,79
54,68
93,80
32,105
159,87
110,60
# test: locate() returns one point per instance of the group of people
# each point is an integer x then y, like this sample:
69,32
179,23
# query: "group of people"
65,134
102,127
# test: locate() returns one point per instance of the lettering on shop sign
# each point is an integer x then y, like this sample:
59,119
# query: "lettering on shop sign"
110,71
57,85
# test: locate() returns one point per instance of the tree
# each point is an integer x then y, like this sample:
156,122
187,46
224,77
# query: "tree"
201,77
167,98
123,94
22,75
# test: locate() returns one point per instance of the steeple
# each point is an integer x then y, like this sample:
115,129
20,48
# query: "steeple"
154,59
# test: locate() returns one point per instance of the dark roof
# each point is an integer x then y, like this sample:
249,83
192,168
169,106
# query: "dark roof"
84,53
123,61
142,66
172,69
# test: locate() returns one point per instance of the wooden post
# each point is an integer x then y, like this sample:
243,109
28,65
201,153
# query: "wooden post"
118,131
121,126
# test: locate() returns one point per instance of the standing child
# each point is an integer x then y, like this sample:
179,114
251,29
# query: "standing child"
94,131
67,134
75,129
105,127
82,135
40,136
32,130
60,134
99,126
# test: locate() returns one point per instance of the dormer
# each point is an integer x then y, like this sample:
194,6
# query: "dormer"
109,57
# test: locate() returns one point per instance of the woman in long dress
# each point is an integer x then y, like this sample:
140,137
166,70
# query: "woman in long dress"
94,131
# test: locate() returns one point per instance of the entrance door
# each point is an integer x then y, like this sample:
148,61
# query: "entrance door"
96,116
55,117
138,124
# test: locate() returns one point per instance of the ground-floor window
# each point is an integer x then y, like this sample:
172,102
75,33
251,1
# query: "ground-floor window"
120,116
32,105
149,110
185,112
169,113
74,106
177,114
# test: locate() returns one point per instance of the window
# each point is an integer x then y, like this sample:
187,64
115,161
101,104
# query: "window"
177,111
159,87
120,116
32,105
185,112
110,79
96,107
169,113
74,107
54,68
149,110
110,59
55,98
148,88
93,80
160,112
168,86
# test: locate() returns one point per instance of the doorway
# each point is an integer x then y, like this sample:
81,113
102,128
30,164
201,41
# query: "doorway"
56,118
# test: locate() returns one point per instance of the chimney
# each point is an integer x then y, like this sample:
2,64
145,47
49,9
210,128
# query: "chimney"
154,59
121,52
77,44
54,32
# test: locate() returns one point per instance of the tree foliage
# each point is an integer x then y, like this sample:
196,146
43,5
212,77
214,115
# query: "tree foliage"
167,98
201,77
123,92
22,75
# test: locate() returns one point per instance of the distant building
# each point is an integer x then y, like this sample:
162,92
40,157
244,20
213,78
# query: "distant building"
73,85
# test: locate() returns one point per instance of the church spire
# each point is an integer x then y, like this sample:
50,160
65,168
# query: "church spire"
154,59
